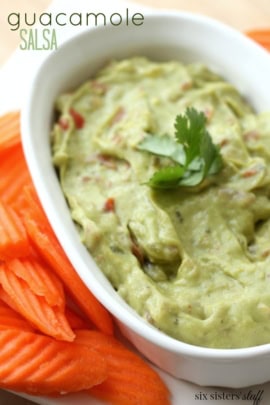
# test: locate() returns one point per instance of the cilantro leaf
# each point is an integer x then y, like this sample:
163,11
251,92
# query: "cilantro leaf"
189,130
217,164
167,177
193,151
164,146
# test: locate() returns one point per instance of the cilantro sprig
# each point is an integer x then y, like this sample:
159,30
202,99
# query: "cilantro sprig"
193,153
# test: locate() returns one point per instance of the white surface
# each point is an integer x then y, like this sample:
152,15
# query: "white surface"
14,86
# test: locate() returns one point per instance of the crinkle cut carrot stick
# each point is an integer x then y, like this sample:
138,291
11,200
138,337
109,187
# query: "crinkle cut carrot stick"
16,176
37,364
261,36
10,319
40,279
130,380
10,157
9,129
6,298
41,234
48,319
75,321
13,237
12,191
14,173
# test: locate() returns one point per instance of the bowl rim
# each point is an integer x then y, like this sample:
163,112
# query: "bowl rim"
150,334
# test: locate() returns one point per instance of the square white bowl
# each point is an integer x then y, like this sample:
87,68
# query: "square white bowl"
163,36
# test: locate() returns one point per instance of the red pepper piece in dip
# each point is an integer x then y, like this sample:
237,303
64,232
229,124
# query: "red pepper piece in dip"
77,118
109,205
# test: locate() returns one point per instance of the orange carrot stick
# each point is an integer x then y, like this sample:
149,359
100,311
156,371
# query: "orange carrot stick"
6,298
10,319
48,319
75,321
261,36
40,279
10,155
9,129
38,364
11,192
130,380
13,238
42,236
14,173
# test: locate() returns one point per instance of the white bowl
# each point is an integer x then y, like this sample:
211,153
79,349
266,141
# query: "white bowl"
170,35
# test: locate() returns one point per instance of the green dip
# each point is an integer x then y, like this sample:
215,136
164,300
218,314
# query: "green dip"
194,262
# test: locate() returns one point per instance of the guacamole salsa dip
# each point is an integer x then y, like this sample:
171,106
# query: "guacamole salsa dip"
193,261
